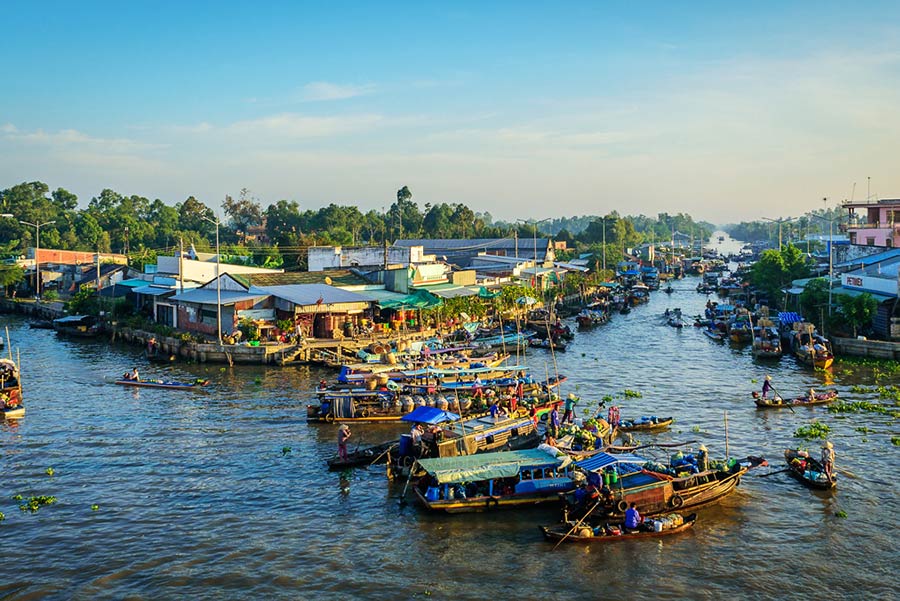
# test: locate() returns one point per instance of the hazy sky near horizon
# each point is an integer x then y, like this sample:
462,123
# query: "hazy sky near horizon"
726,111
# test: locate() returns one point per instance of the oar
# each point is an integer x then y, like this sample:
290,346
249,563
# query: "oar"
787,469
578,523
386,451
788,403
406,486
847,473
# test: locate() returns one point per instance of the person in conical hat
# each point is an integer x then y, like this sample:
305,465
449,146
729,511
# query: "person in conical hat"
828,459
811,395
702,458
342,436
767,386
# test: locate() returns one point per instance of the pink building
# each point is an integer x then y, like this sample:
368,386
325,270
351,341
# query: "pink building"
874,223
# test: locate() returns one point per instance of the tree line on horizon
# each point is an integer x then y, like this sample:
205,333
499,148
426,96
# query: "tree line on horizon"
141,228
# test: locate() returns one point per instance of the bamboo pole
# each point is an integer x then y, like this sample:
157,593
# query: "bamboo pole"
726,436
578,523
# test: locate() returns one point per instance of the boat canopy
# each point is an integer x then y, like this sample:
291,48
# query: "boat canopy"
429,415
601,460
487,466
463,371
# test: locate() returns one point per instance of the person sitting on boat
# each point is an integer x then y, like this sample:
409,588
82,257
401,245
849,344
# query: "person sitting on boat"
342,436
828,459
633,519
495,409
479,388
702,459
767,385
811,395
612,416
415,434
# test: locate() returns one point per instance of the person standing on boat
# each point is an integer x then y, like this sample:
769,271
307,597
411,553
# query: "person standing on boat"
828,459
633,519
767,385
811,395
479,388
415,434
569,414
702,459
554,421
342,436
612,416
135,375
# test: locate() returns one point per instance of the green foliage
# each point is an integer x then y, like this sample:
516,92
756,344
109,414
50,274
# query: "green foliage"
776,269
10,275
35,503
812,431
858,311
49,295
83,302
862,407
841,514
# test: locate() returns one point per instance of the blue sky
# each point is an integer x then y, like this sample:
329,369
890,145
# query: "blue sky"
523,109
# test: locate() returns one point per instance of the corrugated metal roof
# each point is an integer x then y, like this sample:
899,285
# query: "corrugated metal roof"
854,292
153,290
338,277
454,244
207,296
872,259
311,294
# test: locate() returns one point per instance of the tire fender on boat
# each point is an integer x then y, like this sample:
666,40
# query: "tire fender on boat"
676,501
622,506
329,417
408,461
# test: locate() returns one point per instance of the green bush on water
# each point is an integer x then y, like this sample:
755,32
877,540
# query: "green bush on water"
35,503
841,514
895,440
631,394
862,407
2,516
813,431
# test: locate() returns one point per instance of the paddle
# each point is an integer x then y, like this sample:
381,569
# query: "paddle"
386,451
847,473
406,486
578,523
783,401
787,469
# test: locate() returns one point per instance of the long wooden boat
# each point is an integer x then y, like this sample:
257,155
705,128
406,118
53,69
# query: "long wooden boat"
605,533
10,390
807,470
646,426
363,457
493,481
84,326
164,384
657,493
714,334
800,401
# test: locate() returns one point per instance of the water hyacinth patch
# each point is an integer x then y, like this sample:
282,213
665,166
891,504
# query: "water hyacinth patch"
862,407
35,503
815,430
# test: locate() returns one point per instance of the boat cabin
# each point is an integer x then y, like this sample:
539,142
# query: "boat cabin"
495,480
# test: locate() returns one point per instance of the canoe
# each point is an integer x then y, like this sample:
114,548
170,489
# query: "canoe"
559,532
661,424
808,471
715,335
163,384
801,401
362,457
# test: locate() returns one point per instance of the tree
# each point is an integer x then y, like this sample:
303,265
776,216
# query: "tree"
814,296
10,275
244,212
858,311
193,215
767,274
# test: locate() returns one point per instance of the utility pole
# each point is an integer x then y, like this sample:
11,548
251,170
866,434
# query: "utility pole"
603,220
181,265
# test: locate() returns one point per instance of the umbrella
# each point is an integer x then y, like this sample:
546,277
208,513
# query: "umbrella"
525,300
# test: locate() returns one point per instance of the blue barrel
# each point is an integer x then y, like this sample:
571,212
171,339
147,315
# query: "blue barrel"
405,445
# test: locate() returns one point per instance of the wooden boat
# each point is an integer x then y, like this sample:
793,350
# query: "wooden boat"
655,492
10,390
668,289
548,344
715,334
807,470
164,384
800,401
41,324
493,481
84,326
811,348
646,426
363,457
605,533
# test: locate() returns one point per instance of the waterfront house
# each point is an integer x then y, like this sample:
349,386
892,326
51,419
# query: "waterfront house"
461,252
322,311
197,310
874,223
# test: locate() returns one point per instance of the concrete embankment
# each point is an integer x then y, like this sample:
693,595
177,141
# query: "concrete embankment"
877,349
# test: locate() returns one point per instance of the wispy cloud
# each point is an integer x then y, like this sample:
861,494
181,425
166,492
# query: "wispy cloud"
296,125
74,139
317,91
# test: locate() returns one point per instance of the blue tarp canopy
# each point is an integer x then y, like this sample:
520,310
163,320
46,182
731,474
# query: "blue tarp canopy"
429,415
787,318
601,460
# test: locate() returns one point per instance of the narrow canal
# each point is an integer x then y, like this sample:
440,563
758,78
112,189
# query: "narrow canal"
224,493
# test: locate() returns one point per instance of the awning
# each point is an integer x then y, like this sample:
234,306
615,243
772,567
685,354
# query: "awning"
486,466
153,290
601,460
429,415
420,299
853,292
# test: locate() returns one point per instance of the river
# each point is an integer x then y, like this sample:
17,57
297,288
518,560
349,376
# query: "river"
224,494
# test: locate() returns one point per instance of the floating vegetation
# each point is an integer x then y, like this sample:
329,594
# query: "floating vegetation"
95,507
285,451
49,471
860,389
841,514
35,503
813,431
2,517
258,380
607,398
631,394
865,430
17,497
895,440
862,407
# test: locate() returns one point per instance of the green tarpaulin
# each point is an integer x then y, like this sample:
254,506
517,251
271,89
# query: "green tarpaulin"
485,293
418,300
487,466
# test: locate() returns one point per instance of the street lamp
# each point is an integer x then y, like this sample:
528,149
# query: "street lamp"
218,282
779,221
830,253
534,225
37,248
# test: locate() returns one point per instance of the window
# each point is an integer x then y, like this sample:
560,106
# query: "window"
870,241
889,242
526,475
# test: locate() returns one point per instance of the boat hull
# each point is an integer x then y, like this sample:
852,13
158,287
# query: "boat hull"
561,532
166,385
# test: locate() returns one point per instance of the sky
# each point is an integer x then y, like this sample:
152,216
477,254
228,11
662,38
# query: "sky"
521,109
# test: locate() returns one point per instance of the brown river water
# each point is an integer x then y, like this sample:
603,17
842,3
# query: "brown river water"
224,494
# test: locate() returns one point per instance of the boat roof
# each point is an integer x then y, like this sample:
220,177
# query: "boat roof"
601,460
487,466
429,415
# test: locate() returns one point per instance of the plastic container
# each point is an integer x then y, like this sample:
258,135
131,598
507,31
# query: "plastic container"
405,446
432,494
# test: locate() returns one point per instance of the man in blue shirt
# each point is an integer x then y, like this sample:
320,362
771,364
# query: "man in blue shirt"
554,421
633,519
